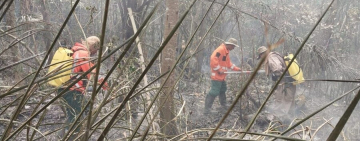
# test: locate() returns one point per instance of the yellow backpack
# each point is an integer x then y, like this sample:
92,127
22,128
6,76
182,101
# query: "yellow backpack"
62,60
294,70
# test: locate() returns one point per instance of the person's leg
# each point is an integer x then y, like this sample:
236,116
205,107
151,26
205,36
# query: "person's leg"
276,104
222,95
210,97
73,108
61,132
287,103
209,100
289,97
69,111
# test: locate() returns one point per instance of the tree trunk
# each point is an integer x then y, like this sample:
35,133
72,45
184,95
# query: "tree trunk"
46,35
10,21
167,112
126,24
200,55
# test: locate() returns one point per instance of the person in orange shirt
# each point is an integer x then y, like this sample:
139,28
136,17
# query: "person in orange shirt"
219,64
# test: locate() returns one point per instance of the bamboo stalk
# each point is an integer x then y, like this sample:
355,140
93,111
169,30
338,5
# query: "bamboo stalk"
171,70
6,9
314,113
181,74
142,60
2,5
17,111
287,68
61,93
344,118
94,93
326,122
19,62
51,76
107,128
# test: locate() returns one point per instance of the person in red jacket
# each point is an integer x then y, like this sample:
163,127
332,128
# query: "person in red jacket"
75,97
81,56
219,64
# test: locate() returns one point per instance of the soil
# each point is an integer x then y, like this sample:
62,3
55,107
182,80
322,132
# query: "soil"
244,112
193,93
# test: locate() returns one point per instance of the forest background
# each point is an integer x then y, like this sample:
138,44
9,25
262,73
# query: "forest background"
178,37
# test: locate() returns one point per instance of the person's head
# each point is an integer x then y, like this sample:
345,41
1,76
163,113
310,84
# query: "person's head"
261,51
231,44
92,43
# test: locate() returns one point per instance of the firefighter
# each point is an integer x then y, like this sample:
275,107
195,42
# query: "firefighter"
219,64
284,94
75,98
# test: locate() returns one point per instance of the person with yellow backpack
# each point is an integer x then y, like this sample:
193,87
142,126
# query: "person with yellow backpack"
78,59
284,95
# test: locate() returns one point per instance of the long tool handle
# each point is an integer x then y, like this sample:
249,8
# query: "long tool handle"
243,72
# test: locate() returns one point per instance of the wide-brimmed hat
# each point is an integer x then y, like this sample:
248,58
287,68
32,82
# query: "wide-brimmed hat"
261,50
232,41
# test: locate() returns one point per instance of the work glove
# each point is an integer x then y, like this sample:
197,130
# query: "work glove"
105,86
237,69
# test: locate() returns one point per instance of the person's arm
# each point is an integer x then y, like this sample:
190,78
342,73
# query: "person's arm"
86,67
235,68
231,65
214,62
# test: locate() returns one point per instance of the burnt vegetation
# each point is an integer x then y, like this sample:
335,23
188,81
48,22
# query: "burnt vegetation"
155,57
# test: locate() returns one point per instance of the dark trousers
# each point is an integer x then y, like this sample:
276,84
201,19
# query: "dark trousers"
75,102
218,88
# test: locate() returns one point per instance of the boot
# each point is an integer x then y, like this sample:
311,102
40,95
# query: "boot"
209,100
222,99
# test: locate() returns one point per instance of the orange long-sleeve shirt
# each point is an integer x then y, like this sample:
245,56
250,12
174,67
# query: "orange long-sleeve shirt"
220,62
81,57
